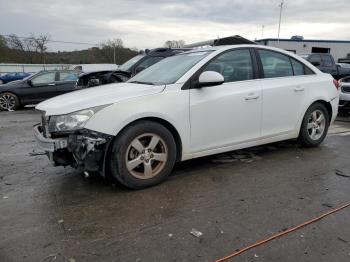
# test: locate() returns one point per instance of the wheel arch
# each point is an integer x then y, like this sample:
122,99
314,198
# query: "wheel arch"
321,101
166,124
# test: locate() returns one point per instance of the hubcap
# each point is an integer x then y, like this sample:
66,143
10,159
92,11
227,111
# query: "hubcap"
146,156
7,102
316,125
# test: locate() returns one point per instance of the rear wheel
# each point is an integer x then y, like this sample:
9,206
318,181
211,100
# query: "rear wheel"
143,155
315,125
9,101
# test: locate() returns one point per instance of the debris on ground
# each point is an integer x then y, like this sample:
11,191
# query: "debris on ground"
196,233
341,173
71,260
170,235
33,153
60,221
52,256
5,197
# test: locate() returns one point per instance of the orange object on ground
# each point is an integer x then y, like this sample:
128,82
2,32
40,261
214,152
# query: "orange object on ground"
282,233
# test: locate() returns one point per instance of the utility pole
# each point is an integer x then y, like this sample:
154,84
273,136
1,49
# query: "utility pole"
279,22
262,31
114,54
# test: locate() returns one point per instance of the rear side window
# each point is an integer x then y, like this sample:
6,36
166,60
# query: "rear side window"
68,76
275,64
234,65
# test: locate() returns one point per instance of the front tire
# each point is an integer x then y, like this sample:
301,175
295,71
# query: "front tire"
315,125
9,101
143,155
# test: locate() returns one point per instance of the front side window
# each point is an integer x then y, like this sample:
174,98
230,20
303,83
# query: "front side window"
275,64
44,78
170,69
234,65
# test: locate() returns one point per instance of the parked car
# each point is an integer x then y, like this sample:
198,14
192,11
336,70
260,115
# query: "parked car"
128,69
344,96
193,104
325,62
12,77
87,68
36,88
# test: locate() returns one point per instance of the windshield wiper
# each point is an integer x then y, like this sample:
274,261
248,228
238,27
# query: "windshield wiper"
140,82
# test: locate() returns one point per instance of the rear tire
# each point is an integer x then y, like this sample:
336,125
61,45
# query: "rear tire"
143,155
9,101
315,125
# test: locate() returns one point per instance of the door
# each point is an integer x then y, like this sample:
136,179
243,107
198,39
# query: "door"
66,82
283,92
42,86
227,114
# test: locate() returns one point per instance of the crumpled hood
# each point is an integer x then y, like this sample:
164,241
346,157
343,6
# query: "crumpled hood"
96,96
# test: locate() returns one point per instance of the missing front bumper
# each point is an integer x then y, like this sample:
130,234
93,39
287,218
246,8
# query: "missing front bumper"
83,148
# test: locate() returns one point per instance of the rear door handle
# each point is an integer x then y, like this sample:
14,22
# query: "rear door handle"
52,84
299,89
251,96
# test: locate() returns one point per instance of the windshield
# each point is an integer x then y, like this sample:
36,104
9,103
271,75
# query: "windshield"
128,64
170,69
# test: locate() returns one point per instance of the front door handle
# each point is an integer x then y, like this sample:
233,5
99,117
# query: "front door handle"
52,84
251,96
299,89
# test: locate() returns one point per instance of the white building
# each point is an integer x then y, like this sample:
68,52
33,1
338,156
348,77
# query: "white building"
338,49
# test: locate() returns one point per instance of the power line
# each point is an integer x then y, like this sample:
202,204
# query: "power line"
53,41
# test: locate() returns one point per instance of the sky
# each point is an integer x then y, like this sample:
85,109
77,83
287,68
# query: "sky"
149,23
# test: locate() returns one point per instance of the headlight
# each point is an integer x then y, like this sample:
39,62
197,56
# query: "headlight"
72,121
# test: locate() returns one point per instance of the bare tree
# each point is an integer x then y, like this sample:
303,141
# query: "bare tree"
40,43
110,49
26,45
174,43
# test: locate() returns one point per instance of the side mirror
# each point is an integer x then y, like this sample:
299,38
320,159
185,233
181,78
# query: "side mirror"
30,83
316,63
210,78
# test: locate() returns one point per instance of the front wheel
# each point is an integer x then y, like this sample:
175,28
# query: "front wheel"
9,101
143,155
315,126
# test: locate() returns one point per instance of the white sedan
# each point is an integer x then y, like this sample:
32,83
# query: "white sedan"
194,104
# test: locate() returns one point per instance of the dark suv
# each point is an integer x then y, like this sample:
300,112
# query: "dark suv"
128,69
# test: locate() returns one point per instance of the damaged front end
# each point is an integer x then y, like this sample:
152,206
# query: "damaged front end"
83,148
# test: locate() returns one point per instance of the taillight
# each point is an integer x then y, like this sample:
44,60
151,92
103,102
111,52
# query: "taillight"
336,84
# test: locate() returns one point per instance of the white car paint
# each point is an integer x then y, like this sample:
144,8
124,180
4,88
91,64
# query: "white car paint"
212,119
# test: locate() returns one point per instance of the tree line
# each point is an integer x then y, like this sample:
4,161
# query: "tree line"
34,50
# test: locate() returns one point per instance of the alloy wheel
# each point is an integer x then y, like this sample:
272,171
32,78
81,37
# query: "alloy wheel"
146,156
316,124
7,102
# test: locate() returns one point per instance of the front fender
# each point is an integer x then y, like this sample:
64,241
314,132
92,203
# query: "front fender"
172,106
